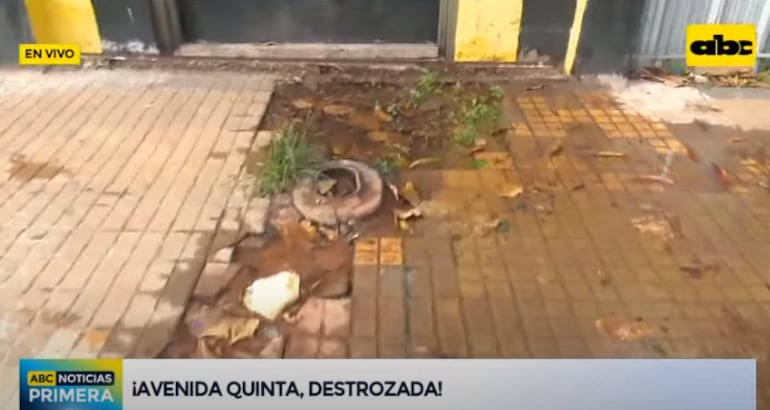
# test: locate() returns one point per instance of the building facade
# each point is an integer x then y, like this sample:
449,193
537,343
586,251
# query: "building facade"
586,36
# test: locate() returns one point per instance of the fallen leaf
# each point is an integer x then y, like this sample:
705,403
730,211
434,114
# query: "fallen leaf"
303,103
556,150
423,162
610,154
394,190
381,114
308,227
409,193
578,187
378,136
203,351
404,226
511,191
479,145
364,120
655,178
403,215
535,87
326,185
698,270
337,109
500,131
330,234
232,329
722,174
604,279
627,330
692,154
736,140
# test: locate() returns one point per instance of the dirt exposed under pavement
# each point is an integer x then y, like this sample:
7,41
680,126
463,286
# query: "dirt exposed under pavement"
375,123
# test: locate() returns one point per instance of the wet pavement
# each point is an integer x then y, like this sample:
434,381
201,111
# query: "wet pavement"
580,227
113,187
594,232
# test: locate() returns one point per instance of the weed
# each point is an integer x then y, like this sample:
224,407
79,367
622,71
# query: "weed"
479,163
674,66
764,77
427,85
478,117
289,154
390,162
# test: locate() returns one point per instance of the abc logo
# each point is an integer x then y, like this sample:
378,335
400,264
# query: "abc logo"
721,47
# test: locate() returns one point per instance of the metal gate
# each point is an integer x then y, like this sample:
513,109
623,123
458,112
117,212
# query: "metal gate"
664,23
310,21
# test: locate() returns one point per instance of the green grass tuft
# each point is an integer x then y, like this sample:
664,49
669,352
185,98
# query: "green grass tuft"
289,154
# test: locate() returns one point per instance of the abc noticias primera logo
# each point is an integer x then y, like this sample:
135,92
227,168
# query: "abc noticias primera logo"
721,45
81,384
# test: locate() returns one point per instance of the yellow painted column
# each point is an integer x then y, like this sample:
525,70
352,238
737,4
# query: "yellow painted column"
65,22
574,36
488,30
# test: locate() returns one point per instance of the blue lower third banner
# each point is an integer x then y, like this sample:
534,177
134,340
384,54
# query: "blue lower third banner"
112,384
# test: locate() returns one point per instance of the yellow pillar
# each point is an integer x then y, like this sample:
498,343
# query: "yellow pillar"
574,36
65,22
488,30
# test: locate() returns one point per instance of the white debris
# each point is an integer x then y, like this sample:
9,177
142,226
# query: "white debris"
268,297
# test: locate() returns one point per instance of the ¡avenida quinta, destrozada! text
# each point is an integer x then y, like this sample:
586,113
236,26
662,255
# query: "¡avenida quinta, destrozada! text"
240,389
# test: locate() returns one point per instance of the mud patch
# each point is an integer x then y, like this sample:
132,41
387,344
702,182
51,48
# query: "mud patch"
380,123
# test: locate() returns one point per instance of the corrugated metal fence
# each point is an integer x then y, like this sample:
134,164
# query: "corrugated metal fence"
662,34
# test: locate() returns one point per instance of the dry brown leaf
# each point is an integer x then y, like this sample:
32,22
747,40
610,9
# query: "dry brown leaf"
409,193
735,140
423,162
303,103
364,120
330,234
692,154
381,114
610,154
556,150
378,136
337,109
604,279
722,174
655,178
203,351
403,215
479,145
511,191
308,227
394,190
232,329
626,330
326,185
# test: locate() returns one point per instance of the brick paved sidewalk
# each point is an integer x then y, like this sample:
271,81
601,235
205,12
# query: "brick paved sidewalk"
112,186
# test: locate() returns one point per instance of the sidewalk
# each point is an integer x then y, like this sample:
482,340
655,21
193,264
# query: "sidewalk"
113,185
116,183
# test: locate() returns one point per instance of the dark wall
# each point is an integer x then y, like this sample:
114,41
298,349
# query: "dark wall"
14,29
310,21
609,36
545,27
126,25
